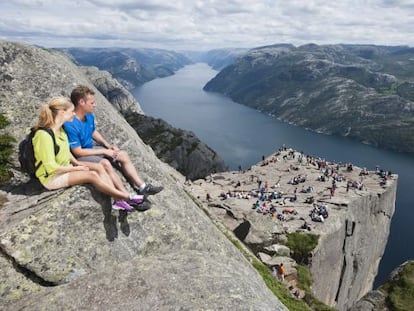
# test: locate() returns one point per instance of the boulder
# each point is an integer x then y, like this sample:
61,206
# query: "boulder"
277,249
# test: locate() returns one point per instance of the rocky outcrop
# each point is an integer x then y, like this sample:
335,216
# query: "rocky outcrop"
179,148
68,249
360,92
114,92
352,239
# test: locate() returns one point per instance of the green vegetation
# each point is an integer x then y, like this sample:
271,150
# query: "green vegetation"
6,149
277,288
280,290
392,90
400,292
301,245
374,101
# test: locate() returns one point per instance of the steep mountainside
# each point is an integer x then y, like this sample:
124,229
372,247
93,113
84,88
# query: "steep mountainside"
179,148
364,92
131,67
68,250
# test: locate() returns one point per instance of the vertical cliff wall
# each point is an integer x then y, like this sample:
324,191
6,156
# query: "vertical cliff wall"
346,261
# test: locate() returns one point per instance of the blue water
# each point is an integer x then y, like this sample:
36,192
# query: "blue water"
241,136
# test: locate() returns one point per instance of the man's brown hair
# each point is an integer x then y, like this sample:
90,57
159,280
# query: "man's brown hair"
80,92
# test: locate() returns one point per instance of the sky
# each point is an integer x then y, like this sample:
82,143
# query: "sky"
206,24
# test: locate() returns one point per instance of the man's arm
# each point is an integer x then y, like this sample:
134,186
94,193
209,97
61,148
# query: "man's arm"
100,140
111,151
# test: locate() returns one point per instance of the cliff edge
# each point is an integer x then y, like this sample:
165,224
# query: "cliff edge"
288,192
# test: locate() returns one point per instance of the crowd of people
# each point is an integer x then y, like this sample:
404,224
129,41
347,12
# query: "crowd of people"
273,200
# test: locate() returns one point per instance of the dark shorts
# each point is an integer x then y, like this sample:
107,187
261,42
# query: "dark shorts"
97,158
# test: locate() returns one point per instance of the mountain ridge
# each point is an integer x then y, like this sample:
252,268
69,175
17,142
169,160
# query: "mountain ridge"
329,89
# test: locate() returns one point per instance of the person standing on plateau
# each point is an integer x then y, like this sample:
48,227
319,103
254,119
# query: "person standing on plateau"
88,145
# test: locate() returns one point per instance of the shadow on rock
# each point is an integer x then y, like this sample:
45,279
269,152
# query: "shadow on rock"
32,187
123,222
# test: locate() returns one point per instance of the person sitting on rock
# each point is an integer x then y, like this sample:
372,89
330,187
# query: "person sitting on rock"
82,134
61,169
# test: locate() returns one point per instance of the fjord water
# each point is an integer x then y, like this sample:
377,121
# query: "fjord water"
241,136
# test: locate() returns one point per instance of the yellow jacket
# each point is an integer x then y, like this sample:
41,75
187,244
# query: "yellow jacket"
44,151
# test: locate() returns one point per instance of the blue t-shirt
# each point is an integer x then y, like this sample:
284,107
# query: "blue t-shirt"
80,132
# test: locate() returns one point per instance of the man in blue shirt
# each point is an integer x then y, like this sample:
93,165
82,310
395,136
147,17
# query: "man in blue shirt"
82,134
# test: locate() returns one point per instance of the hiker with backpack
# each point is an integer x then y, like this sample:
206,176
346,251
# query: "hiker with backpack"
88,145
57,169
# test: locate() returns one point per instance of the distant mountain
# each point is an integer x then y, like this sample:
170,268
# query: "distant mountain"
131,67
362,91
220,58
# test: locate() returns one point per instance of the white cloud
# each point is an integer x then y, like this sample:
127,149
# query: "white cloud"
206,24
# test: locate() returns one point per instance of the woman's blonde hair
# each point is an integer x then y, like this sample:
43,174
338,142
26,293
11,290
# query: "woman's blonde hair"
48,112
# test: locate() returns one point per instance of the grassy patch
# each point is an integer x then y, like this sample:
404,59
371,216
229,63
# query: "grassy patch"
400,293
301,244
277,288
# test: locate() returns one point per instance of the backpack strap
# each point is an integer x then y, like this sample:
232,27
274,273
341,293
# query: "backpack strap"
56,147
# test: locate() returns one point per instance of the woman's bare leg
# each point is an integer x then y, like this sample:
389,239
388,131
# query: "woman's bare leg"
99,168
92,177
111,172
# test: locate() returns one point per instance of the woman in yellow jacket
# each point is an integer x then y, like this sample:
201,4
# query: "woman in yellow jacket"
63,170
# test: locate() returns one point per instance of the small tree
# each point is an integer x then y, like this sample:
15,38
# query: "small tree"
301,244
6,149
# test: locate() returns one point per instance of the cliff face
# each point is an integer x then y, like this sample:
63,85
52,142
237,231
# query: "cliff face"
346,260
67,249
179,148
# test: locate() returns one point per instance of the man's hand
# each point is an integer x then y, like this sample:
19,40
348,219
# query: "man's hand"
112,153
113,147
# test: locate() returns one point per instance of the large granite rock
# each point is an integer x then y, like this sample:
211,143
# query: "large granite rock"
68,249
352,239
